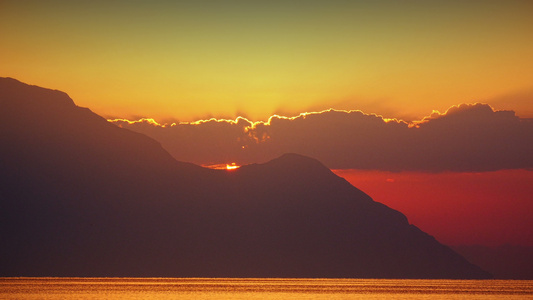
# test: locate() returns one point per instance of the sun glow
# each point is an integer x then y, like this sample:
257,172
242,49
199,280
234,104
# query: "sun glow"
232,166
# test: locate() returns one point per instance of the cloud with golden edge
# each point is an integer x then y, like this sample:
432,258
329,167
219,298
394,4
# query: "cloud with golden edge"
467,137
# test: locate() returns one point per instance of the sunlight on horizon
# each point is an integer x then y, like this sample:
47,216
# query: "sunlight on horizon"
232,166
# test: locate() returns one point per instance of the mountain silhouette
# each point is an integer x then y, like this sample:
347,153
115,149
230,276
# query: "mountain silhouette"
83,197
503,262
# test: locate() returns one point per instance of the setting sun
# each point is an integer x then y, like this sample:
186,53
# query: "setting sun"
232,166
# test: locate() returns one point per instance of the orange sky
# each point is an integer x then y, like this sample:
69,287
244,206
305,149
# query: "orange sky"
188,60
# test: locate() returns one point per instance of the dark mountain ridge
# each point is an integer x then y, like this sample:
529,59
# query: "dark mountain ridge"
82,197
503,262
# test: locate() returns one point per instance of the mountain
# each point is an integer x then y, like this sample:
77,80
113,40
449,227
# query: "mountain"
82,197
504,262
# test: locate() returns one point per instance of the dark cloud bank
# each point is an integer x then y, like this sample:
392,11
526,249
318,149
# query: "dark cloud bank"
468,137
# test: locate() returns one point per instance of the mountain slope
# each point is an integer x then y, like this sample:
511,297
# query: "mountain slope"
504,262
82,197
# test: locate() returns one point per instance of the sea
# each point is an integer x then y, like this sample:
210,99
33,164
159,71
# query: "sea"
253,288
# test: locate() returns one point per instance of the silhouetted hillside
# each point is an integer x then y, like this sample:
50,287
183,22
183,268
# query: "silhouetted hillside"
82,197
504,262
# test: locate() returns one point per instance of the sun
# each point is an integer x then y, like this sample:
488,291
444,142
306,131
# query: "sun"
232,166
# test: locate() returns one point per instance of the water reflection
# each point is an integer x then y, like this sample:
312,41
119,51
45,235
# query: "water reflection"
203,288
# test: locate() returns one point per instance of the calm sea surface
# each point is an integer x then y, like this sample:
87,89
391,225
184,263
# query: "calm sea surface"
206,288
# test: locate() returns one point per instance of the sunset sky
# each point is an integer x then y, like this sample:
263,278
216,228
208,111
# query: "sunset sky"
187,60
369,61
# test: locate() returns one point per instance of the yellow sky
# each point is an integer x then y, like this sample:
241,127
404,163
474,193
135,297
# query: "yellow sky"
188,60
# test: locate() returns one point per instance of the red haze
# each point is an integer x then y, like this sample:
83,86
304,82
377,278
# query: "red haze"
490,208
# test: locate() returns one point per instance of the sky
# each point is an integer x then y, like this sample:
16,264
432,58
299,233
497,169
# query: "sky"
191,60
425,105
468,208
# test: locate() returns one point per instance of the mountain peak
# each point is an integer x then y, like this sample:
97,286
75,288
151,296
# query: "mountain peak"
22,95
296,158
290,162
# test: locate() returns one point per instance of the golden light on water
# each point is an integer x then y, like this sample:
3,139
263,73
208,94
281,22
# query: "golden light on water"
260,288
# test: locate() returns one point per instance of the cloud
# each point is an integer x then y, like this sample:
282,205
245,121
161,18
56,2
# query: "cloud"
520,101
205,142
467,137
